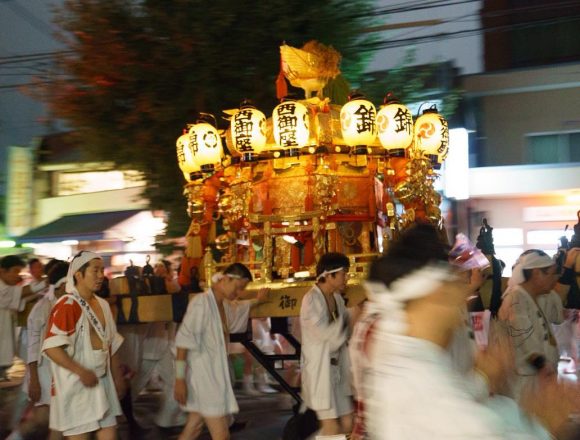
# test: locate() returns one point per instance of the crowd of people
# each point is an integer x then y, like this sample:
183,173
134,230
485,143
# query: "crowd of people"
404,364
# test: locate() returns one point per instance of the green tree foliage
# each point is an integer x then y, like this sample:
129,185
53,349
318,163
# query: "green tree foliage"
138,71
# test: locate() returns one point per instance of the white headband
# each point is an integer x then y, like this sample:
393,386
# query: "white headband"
220,276
391,300
59,282
78,261
531,260
328,272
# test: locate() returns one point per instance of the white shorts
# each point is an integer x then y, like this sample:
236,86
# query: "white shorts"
106,422
340,404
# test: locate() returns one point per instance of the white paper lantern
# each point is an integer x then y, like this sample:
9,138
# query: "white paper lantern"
395,126
206,146
358,122
432,136
187,163
248,131
291,125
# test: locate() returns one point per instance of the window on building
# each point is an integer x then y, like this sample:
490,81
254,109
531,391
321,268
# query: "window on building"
553,148
574,147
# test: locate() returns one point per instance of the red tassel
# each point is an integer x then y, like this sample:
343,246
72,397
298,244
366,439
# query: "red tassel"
281,86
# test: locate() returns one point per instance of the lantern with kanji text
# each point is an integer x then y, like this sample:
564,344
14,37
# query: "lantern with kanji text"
187,163
206,145
432,136
248,131
395,126
291,125
358,123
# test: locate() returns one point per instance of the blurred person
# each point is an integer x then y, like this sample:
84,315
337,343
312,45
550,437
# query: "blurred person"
536,350
157,356
202,376
255,380
164,271
36,269
35,275
82,343
11,295
569,291
411,386
38,378
189,275
325,364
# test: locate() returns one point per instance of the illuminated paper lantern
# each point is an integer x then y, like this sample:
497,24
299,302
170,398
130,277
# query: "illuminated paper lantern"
291,125
206,146
358,122
432,136
395,127
187,163
248,131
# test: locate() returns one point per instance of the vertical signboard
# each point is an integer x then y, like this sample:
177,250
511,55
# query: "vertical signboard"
19,173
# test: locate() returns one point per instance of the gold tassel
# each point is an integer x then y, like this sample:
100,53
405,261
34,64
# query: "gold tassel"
193,247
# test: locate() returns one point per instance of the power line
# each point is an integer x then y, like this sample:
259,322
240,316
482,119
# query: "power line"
16,86
46,57
41,56
409,7
491,14
387,44
445,3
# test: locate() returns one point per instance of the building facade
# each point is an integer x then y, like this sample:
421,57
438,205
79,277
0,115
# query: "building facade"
524,123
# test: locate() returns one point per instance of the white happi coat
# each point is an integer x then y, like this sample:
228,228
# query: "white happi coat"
552,306
36,324
413,391
529,329
72,404
9,303
320,339
209,387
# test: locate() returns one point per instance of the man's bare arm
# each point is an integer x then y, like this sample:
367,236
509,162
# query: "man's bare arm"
33,289
180,390
60,357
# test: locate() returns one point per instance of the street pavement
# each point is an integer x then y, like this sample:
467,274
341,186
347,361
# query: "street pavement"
265,415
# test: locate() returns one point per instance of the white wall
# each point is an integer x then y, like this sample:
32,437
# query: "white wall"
52,208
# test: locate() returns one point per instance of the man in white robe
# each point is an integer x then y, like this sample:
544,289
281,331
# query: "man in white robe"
82,342
203,384
11,295
530,331
325,362
37,381
411,388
